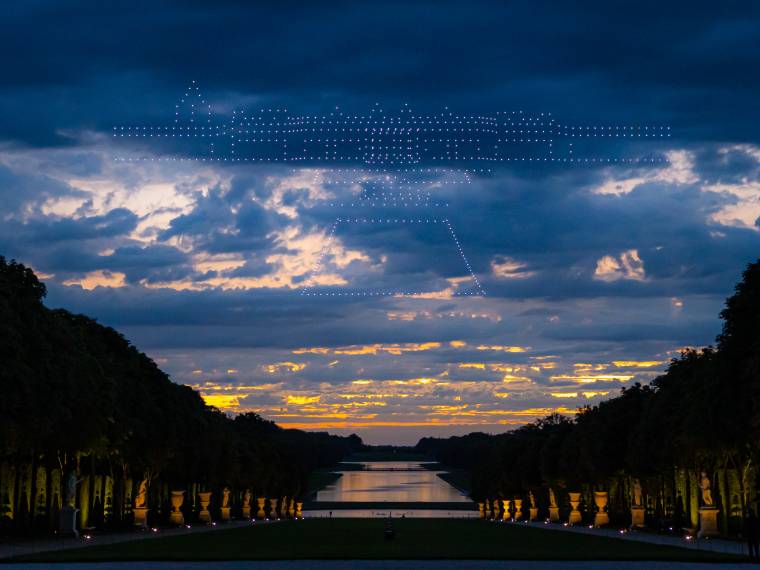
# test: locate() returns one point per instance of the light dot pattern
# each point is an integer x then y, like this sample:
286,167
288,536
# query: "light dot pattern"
401,157
378,138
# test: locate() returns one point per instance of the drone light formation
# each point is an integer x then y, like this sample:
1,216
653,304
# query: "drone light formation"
394,159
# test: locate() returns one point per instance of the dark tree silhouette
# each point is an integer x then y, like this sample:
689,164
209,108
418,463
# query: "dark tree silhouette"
702,414
76,393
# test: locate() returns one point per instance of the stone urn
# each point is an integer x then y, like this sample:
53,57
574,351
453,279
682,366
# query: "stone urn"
601,517
204,498
575,514
260,513
506,511
273,508
299,510
518,509
176,517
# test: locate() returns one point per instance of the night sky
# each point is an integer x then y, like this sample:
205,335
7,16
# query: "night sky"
596,274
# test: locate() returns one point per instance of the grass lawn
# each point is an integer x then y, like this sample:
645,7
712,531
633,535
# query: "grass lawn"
363,539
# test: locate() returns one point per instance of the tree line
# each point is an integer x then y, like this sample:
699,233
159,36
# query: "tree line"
699,421
78,398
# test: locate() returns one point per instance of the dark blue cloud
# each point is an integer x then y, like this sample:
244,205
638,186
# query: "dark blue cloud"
71,71
78,64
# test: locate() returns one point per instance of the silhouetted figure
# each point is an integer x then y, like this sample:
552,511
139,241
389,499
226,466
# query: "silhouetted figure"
98,517
751,531
389,531
679,514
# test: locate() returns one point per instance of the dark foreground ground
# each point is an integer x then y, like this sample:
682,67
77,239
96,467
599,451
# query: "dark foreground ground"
355,539
389,565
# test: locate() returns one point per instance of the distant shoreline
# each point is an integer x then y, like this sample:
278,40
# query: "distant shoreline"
389,505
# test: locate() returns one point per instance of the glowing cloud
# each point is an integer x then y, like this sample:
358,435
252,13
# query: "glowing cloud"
98,278
301,400
504,267
637,363
591,378
500,348
628,265
280,367
395,349
680,170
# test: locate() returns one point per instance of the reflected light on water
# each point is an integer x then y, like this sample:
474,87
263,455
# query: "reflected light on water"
374,485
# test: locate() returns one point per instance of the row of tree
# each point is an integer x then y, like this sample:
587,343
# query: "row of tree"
77,397
701,416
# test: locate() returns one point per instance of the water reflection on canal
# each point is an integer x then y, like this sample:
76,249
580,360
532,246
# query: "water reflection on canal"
378,484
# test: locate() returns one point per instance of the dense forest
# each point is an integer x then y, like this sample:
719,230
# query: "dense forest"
78,400
696,426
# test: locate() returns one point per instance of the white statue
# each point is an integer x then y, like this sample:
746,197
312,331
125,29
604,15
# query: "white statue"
706,486
636,493
71,489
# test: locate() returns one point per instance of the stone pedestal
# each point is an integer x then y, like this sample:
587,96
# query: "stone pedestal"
518,509
176,517
533,513
554,514
225,513
299,508
637,516
575,515
601,518
67,522
246,512
204,498
141,516
708,522
260,513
